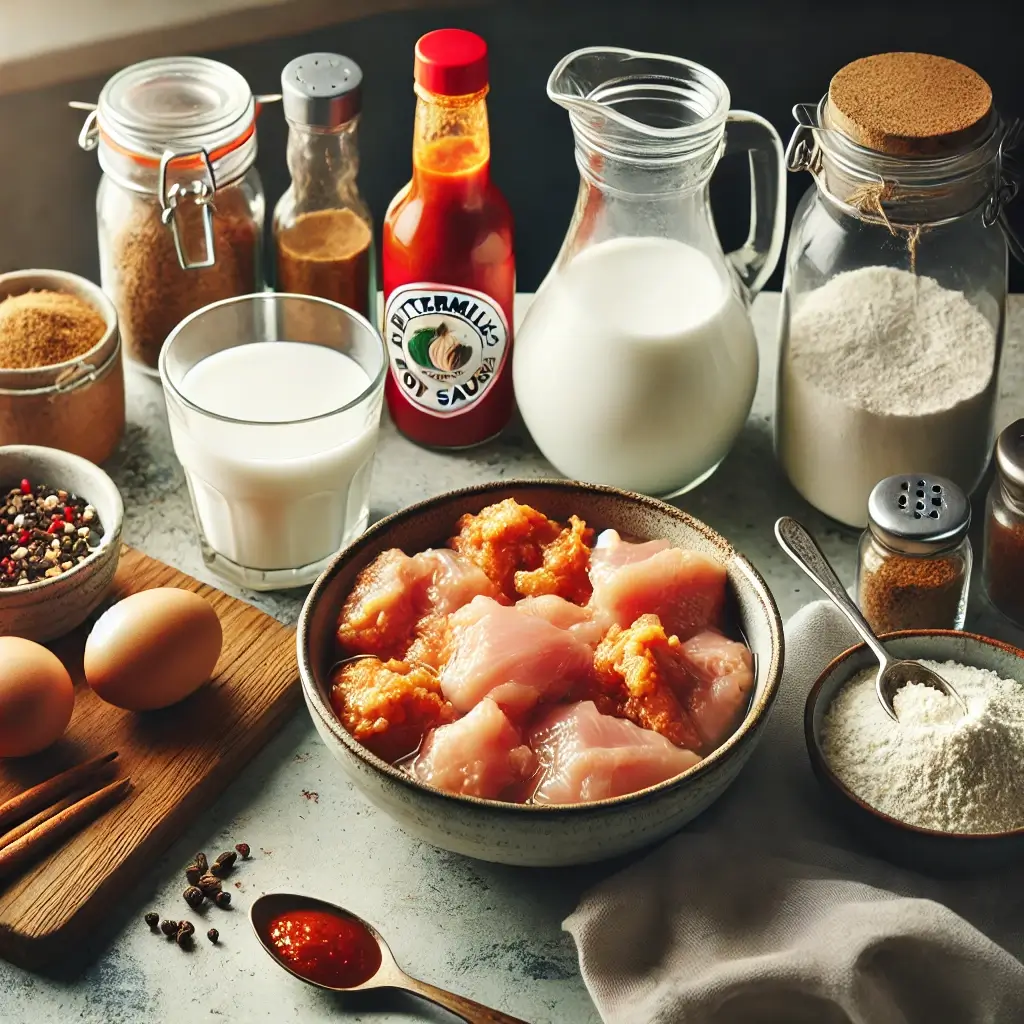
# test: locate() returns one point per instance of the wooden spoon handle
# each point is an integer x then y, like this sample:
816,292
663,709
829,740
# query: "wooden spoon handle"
468,1009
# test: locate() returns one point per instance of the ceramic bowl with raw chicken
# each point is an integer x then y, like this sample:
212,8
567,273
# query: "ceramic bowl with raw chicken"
540,672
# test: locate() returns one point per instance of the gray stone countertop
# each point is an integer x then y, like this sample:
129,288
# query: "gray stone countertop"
490,932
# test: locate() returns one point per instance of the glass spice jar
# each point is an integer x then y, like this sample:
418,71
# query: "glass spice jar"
180,206
915,557
323,231
1004,527
894,295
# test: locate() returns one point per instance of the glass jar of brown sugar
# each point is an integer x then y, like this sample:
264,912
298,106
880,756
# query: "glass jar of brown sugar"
180,206
1004,526
323,231
915,556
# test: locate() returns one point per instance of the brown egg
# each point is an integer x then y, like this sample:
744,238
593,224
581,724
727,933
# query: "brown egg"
36,697
153,649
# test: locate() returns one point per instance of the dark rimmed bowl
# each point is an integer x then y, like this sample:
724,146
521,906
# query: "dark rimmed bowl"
540,835
922,849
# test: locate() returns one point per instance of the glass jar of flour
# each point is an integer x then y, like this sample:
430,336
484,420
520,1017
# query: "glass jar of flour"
895,281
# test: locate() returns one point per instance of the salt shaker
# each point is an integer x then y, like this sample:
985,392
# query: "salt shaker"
1004,526
915,556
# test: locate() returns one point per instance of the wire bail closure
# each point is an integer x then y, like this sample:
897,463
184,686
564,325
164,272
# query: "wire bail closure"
201,193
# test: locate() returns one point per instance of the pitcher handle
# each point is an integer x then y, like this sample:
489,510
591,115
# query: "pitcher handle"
755,260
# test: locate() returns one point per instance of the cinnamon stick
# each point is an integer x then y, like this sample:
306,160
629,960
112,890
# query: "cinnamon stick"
38,797
26,849
44,815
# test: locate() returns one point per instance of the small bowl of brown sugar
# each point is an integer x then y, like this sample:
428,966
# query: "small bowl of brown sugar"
61,379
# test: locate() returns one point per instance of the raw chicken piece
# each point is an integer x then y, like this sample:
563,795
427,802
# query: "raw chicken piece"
563,572
611,552
388,707
587,756
685,589
565,615
400,601
641,676
722,672
513,658
481,754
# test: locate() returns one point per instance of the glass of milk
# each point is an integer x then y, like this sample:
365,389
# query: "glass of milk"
274,405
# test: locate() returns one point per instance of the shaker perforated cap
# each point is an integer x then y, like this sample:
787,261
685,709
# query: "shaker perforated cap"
321,89
1010,459
918,514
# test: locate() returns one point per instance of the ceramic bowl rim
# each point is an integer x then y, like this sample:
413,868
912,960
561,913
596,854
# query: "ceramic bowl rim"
111,533
752,722
823,769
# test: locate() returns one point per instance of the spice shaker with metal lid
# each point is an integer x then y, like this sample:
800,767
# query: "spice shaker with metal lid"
915,557
323,231
894,294
180,206
1004,526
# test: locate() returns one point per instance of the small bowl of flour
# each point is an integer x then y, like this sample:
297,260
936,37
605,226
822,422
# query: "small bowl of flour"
939,789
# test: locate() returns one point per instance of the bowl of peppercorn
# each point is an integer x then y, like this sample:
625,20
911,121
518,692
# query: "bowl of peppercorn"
60,540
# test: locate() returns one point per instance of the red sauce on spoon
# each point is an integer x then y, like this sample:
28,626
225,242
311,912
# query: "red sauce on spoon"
328,949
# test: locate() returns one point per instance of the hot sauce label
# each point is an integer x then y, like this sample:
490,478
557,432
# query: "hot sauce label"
446,345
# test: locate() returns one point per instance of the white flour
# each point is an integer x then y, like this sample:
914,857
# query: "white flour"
937,768
886,372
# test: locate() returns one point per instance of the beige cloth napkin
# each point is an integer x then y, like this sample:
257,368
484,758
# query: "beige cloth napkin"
762,913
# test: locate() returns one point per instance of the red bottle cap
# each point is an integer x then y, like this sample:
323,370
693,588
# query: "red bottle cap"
451,62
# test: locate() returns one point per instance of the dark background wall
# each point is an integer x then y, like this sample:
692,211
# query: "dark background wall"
771,55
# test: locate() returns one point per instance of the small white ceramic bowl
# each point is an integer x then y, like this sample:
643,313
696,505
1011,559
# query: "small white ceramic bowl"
534,835
47,609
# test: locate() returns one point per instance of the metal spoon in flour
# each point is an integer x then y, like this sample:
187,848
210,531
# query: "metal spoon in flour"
892,673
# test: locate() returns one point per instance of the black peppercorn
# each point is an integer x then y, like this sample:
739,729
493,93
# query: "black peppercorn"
209,884
223,900
194,897
223,864
213,935
152,920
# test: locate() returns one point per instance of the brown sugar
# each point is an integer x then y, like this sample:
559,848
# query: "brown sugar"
911,104
151,290
326,253
43,328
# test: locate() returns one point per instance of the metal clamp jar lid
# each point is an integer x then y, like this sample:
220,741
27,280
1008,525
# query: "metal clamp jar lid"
940,156
178,128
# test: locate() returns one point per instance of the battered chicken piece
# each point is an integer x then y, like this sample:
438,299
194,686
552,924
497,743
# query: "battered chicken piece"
380,614
639,672
564,565
524,553
388,706
399,605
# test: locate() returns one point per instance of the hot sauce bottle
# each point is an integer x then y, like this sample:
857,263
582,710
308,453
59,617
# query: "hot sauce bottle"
448,261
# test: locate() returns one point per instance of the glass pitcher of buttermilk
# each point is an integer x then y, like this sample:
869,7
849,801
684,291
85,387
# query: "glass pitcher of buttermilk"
636,364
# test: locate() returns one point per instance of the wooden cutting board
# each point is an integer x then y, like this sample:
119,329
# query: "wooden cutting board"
179,759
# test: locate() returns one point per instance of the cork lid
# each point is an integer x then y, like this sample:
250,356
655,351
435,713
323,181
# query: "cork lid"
909,104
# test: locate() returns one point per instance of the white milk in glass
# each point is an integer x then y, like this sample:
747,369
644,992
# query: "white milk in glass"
289,486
